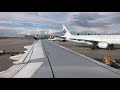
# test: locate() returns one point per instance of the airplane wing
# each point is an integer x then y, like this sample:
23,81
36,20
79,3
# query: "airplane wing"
24,67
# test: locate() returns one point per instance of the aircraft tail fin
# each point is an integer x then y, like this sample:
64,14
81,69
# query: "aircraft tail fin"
65,31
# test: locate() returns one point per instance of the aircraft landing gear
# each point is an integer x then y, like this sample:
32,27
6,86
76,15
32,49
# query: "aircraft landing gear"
111,46
64,40
92,47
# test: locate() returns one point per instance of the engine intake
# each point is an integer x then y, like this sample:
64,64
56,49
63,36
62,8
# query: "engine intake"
102,45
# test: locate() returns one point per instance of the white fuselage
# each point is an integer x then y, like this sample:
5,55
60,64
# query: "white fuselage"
110,39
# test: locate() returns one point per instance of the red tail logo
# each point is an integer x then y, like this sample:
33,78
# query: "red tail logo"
64,30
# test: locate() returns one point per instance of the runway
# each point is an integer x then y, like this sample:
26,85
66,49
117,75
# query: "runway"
45,59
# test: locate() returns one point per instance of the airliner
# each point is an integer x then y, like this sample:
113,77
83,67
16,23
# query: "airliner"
97,41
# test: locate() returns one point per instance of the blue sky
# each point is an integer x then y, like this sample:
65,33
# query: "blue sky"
21,23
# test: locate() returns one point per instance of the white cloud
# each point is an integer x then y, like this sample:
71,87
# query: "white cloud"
50,22
36,17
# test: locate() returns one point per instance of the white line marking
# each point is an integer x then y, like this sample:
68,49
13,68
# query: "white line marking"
38,51
28,70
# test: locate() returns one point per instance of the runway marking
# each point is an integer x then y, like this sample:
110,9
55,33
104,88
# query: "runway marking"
92,60
38,51
28,70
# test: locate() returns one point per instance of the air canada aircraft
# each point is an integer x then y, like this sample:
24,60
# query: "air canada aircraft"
97,41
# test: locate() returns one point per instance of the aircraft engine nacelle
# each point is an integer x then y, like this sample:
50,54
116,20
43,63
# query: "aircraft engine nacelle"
102,45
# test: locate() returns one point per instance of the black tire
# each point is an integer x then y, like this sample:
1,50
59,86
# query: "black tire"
63,40
92,47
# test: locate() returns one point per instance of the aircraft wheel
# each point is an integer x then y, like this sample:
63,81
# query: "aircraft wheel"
92,47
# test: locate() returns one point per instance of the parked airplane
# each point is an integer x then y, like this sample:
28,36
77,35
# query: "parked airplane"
99,41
